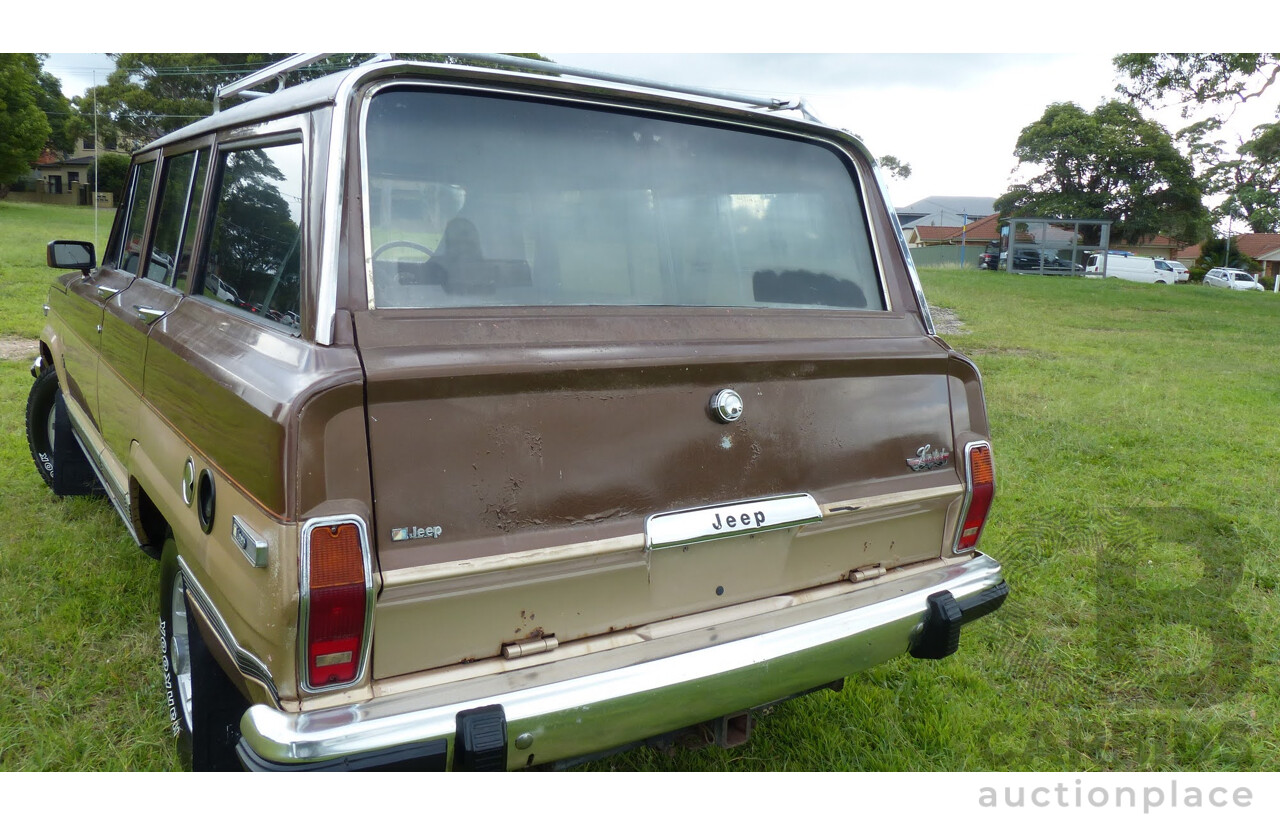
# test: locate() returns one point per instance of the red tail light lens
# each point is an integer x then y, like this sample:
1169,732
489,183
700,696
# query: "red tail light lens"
982,488
337,593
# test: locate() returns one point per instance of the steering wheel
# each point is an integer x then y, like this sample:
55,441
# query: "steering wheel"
402,245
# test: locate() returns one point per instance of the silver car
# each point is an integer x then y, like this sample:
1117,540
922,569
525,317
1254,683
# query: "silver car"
1232,279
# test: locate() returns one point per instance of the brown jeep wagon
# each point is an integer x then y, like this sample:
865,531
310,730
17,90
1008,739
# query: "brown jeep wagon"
483,419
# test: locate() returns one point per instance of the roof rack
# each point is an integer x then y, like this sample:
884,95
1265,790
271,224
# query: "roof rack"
277,71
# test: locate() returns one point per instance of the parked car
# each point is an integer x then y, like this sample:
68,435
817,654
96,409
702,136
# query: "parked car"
1128,267
989,260
1180,273
491,419
1052,263
1026,259
1232,279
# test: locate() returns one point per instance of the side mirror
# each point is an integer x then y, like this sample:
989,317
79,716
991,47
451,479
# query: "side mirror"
71,255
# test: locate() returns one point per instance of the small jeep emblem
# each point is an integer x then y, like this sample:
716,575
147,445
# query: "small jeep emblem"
406,533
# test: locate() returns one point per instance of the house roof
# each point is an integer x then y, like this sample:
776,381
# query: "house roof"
1155,240
1254,245
87,161
986,229
946,210
935,233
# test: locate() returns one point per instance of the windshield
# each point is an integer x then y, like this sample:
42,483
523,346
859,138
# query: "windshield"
487,201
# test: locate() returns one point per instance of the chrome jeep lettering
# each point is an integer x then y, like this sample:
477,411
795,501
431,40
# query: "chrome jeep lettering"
407,533
756,519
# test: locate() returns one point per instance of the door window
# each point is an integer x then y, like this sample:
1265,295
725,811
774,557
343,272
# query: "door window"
180,196
144,176
254,254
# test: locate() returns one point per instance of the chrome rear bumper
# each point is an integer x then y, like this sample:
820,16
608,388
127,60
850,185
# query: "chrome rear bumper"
593,703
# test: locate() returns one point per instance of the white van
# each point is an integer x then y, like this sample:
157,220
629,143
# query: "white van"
1129,267
1180,272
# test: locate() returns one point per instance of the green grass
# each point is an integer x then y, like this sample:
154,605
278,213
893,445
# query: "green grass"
1133,429
1137,475
79,642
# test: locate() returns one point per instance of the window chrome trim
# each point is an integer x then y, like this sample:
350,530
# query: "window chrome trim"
906,252
304,601
330,223
288,131
840,147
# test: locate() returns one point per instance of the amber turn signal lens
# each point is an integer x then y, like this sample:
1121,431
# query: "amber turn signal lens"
338,604
982,488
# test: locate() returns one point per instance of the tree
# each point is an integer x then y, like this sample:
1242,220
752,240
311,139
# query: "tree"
1248,177
1197,79
1221,252
110,175
150,95
24,129
56,108
895,167
1109,163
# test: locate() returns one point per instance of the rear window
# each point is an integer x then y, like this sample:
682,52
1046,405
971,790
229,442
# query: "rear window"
489,201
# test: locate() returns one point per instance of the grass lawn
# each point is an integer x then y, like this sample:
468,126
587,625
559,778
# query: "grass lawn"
1136,516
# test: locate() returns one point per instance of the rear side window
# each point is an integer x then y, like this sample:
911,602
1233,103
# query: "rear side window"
486,201
254,256
135,224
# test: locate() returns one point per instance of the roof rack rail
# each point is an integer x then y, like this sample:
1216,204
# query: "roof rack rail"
609,77
277,71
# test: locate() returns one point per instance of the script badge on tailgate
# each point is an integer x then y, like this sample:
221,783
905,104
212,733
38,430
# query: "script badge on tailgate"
739,518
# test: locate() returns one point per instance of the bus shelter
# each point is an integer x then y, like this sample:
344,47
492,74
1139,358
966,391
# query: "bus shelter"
1052,246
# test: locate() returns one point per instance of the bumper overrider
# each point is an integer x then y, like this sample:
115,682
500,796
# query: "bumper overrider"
599,701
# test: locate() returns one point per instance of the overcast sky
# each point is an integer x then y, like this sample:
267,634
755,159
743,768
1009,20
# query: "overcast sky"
954,117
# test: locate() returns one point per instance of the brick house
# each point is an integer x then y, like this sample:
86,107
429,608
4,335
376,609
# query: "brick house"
65,179
1261,246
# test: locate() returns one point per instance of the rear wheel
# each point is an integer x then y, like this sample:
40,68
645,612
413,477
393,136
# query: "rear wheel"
41,405
204,707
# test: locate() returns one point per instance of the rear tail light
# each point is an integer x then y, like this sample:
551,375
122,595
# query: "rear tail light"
980,484
337,588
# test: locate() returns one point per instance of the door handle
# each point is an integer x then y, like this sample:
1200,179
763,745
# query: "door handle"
148,315
105,292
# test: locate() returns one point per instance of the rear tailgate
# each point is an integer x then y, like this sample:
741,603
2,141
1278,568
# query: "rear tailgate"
518,461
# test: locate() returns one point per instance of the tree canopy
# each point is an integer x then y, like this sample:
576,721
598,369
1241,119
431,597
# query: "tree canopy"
1248,176
895,168
24,128
1197,79
150,95
1110,163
